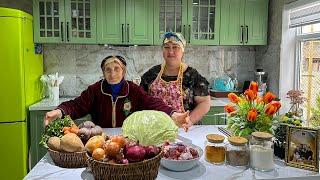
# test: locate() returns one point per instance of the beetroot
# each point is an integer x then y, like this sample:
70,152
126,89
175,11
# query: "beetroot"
134,153
151,151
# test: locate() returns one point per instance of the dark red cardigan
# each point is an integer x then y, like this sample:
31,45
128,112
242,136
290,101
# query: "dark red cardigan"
98,103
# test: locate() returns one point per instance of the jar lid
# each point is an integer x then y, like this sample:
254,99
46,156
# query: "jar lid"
215,138
237,140
261,135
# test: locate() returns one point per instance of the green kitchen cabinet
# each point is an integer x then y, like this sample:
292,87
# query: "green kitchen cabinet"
125,22
64,21
215,116
197,20
36,130
244,22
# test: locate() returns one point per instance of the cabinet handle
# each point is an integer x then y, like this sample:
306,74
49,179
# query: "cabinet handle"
128,32
122,33
62,35
184,31
241,35
68,31
189,32
247,31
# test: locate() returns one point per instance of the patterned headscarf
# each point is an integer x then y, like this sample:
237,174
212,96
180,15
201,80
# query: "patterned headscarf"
176,38
117,59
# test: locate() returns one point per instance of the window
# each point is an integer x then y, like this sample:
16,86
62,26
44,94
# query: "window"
310,29
308,65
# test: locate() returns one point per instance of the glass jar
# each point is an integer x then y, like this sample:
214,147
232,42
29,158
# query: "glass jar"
261,151
237,152
215,149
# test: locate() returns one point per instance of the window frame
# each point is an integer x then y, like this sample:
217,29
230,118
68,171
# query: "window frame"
298,52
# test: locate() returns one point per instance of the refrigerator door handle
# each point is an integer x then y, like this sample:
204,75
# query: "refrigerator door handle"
62,35
68,31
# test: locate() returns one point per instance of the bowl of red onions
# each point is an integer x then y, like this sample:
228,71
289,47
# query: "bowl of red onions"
178,156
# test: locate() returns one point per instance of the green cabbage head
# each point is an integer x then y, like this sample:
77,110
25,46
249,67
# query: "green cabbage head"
149,127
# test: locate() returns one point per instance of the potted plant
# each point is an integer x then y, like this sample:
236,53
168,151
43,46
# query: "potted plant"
248,112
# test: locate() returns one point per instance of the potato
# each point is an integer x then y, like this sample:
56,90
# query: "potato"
54,143
71,143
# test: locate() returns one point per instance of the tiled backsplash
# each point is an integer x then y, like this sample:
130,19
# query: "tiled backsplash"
80,64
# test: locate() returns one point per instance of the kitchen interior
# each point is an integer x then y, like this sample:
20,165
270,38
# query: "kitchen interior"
226,51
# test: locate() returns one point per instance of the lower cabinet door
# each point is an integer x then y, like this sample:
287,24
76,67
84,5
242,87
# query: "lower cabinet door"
215,116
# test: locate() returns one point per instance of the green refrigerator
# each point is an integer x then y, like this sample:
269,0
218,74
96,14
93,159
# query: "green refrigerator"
20,71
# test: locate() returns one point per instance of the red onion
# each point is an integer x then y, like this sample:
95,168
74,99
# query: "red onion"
151,151
135,153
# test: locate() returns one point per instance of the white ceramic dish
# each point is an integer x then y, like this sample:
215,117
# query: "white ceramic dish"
182,165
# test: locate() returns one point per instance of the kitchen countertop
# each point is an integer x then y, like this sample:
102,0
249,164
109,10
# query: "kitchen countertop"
47,105
45,168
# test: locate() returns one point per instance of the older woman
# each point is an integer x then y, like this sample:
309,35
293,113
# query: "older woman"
177,84
111,100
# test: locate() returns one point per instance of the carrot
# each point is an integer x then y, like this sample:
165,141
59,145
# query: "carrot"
66,129
74,129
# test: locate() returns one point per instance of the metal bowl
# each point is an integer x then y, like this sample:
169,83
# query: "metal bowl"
182,165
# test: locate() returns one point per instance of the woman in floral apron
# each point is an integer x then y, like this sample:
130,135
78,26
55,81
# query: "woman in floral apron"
177,84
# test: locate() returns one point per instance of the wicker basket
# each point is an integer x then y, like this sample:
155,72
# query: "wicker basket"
147,169
69,160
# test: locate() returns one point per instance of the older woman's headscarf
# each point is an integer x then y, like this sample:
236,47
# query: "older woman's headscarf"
116,59
176,38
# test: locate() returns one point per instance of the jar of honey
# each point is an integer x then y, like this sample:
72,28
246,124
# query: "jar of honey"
215,149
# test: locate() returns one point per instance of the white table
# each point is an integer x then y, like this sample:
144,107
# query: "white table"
45,169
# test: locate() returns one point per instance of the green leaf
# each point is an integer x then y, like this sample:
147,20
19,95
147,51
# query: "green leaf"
55,129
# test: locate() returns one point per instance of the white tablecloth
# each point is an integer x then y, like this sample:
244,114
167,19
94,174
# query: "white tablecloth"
45,169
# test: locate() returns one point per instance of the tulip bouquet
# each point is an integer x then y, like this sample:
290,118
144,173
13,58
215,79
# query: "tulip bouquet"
249,112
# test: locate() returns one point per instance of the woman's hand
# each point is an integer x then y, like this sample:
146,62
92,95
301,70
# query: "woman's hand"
182,120
52,115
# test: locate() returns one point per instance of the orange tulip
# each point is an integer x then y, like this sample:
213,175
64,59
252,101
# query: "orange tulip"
270,109
252,115
259,100
233,97
253,86
229,108
277,104
250,94
268,97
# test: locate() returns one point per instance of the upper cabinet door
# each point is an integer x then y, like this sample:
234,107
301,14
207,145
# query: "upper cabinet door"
111,21
170,15
203,22
80,21
139,22
125,22
232,22
49,21
256,22
244,22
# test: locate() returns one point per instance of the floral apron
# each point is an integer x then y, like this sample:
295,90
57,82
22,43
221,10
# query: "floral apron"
170,92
